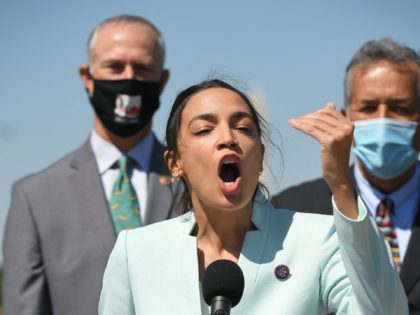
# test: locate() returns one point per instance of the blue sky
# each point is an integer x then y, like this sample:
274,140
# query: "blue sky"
290,55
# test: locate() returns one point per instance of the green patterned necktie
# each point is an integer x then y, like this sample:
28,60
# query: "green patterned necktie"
125,211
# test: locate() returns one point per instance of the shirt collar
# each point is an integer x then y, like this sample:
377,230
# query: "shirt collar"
372,196
409,188
106,154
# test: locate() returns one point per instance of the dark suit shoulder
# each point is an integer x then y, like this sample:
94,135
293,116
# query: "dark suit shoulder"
158,145
313,197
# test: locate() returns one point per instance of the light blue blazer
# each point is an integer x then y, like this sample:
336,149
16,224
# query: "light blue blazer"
336,265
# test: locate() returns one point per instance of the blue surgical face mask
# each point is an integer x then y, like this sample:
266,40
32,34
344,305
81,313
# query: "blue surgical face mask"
385,146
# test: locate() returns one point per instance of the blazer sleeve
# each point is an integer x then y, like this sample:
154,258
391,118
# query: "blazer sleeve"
116,296
25,288
371,283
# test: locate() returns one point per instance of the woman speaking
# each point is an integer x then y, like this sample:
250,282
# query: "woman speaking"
292,263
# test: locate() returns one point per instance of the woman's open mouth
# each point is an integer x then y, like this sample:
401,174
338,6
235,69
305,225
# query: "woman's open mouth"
229,173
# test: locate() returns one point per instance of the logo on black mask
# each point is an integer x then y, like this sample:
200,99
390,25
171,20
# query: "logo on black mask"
125,106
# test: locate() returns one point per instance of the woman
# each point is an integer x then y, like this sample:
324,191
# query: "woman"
338,264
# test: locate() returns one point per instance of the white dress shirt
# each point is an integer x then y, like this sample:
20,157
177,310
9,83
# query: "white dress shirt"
406,201
107,155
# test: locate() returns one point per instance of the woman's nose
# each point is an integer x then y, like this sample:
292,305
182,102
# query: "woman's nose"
227,140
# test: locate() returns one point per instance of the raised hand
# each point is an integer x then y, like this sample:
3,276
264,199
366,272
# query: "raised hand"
335,134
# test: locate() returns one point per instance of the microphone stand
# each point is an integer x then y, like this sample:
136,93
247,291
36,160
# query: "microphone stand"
220,305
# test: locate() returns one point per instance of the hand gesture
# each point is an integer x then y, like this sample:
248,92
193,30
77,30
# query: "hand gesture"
334,132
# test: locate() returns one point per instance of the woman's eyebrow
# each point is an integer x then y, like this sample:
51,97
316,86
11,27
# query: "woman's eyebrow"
206,116
212,117
240,115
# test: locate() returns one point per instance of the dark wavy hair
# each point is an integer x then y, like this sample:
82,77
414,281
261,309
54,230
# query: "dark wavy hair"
173,125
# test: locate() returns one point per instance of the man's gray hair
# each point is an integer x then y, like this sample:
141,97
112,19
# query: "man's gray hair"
126,19
375,51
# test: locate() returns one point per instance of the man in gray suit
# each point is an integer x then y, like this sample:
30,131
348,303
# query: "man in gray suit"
62,224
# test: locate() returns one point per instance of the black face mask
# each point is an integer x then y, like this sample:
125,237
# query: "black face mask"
125,106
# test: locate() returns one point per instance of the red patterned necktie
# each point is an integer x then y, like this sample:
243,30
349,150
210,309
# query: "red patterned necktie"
384,221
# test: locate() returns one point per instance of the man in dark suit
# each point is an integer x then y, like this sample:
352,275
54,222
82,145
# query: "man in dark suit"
382,98
63,221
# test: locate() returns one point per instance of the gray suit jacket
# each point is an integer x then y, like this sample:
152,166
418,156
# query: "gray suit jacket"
59,234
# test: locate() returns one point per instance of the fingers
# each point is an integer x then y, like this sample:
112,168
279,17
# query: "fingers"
328,113
330,105
324,124
334,132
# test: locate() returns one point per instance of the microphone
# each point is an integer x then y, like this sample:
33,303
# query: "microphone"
223,285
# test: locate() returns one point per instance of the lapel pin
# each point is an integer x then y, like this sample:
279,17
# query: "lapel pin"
282,272
165,180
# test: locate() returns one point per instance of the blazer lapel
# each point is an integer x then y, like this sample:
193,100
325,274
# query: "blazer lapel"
253,249
410,270
187,270
89,191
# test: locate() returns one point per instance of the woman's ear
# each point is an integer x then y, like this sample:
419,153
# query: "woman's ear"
262,157
173,163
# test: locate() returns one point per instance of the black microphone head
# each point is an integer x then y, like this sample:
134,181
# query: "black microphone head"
223,278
